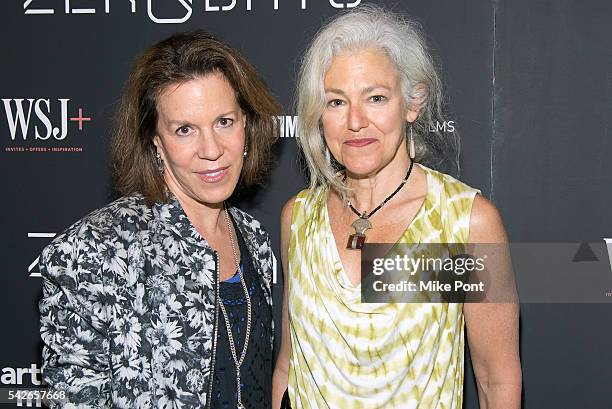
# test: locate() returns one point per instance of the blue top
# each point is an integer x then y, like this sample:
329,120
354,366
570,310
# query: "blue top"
256,369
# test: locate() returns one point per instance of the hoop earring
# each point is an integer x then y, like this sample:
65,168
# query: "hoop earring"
411,148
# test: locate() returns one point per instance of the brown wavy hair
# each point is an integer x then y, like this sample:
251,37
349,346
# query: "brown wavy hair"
180,58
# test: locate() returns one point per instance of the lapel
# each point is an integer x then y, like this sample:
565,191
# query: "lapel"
256,242
173,218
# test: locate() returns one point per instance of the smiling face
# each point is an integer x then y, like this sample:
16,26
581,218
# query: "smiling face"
200,137
365,114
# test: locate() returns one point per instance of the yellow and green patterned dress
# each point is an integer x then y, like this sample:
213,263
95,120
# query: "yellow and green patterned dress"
348,354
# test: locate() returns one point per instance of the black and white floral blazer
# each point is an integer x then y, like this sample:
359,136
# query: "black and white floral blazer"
128,314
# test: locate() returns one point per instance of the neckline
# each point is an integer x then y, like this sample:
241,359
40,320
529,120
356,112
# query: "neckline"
344,279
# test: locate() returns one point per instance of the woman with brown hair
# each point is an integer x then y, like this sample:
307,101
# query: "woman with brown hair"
162,298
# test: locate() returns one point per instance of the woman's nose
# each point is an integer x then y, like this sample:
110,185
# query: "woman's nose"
209,147
357,118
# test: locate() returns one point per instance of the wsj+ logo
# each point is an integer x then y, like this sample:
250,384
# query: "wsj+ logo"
19,115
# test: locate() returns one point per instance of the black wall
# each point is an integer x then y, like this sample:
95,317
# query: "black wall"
529,89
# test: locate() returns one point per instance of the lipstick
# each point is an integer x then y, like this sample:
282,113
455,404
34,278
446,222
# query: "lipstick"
213,175
360,142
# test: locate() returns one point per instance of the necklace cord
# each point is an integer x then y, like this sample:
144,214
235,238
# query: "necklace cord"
367,216
237,361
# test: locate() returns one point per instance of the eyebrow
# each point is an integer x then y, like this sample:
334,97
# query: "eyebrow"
365,90
178,122
186,122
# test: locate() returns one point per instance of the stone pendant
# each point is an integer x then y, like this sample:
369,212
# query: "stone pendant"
357,240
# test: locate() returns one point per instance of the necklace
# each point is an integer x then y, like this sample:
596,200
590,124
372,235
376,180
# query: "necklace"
357,240
237,361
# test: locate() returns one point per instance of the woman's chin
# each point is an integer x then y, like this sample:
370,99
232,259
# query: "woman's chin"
211,196
214,198
361,170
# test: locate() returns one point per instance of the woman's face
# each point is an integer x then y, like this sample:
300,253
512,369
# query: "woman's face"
365,114
200,137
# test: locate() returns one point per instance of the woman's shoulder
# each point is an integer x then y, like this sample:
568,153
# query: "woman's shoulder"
301,202
108,223
479,216
97,258
310,196
130,209
447,184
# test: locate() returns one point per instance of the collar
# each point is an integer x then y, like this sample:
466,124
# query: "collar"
171,216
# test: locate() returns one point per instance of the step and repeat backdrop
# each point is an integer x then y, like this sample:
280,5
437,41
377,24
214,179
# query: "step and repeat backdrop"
529,90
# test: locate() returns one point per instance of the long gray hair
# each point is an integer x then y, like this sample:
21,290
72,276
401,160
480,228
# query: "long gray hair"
401,40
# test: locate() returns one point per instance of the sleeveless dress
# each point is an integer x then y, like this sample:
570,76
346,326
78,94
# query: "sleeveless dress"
348,354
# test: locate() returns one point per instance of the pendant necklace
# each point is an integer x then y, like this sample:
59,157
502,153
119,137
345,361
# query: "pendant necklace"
237,361
357,240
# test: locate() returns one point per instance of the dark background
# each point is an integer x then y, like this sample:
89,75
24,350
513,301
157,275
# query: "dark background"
529,89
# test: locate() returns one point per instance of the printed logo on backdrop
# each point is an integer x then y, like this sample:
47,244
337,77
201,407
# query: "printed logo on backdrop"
33,266
446,126
182,10
21,376
288,126
43,125
21,387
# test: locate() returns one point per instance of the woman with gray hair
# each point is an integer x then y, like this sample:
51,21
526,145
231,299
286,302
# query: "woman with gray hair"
368,92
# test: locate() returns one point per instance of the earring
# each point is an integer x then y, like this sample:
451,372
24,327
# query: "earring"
246,150
160,163
411,144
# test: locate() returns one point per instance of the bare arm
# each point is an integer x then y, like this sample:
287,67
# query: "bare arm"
281,371
492,328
